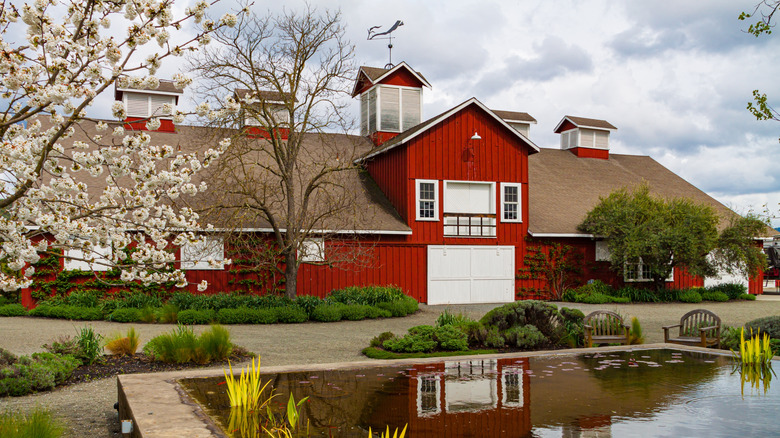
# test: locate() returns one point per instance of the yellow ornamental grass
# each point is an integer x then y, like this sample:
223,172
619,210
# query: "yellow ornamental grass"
386,433
756,350
247,391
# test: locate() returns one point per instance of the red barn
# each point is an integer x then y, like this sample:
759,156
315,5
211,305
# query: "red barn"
457,200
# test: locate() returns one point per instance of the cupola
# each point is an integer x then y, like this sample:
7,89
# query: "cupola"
390,100
268,110
142,103
587,138
520,121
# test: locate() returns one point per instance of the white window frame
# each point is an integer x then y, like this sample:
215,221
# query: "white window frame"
417,184
378,103
639,266
148,105
100,256
519,187
435,383
313,250
515,372
602,251
191,251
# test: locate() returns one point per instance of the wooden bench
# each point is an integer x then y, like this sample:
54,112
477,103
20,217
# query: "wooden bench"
605,327
698,327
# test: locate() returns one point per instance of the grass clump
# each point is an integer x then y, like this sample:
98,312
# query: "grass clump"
124,345
690,296
39,423
182,345
714,295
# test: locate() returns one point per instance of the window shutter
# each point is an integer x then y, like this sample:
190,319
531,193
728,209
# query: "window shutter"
372,111
411,108
390,109
157,104
137,104
364,114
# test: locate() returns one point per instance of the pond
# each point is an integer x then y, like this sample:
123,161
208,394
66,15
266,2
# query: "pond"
636,393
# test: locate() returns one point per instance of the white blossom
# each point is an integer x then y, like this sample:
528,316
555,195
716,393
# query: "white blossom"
203,285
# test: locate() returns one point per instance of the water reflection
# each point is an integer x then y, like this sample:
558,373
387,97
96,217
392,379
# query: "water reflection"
571,396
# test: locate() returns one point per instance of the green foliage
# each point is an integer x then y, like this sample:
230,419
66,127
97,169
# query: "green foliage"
447,318
136,300
736,251
732,290
412,343
39,372
709,295
7,358
378,340
730,338
402,307
367,295
661,232
595,292
123,344
192,316
637,294
182,345
494,339
599,298
308,303
354,312
291,314
690,296
768,324
127,314
63,345
525,337
747,297
668,295
373,312
67,312
84,298
573,326
519,313
450,338
149,314
89,343
13,310
168,314
635,335
327,312
39,423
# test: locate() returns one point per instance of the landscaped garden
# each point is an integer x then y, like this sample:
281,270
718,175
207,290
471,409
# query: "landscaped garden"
598,292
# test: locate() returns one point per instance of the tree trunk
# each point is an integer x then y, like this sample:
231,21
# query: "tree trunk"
291,274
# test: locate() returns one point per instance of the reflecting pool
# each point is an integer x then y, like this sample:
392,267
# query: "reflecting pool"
638,393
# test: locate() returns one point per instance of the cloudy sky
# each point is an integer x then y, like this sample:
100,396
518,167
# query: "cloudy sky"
673,76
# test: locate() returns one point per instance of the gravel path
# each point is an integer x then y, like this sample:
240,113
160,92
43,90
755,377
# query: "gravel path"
87,409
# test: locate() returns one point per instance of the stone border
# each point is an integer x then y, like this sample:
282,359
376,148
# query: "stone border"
159,408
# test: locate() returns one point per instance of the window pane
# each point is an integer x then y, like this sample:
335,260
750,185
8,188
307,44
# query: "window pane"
157,105
510,211
364,114
426,191
411,108
390,109
510,194
372,111
137,105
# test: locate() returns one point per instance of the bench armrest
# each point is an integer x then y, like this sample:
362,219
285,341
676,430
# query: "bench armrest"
705,329
667,327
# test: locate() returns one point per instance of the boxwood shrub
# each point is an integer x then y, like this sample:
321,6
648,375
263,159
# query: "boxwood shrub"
327,312
291,314
714,295
13,310
768,324
39,372
192,316
689,296
67,312
128,314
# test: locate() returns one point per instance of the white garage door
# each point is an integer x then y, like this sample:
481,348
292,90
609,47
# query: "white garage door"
471,274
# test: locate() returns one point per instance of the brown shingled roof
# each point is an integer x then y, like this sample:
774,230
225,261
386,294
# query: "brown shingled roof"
515,116
375,73
586,122
272,96
166,86
563,187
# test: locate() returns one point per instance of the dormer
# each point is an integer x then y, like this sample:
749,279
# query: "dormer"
269,110
520,121
390,100
587,138
142,104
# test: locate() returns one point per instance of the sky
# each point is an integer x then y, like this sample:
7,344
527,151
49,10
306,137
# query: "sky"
673,76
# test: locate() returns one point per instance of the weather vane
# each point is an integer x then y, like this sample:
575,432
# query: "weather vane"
373,34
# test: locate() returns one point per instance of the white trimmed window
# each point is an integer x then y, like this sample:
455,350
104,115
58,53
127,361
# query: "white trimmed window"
198,256
312,250
428,399
390,109
637,272
427,200
602,251
96,260
511,196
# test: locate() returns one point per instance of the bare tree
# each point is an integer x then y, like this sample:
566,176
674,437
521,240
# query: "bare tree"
290,167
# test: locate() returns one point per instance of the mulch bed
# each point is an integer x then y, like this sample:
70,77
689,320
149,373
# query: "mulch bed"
109,366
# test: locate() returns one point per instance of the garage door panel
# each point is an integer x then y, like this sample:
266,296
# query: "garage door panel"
470,274
450,292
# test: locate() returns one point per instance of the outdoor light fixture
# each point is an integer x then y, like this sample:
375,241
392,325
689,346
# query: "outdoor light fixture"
476,136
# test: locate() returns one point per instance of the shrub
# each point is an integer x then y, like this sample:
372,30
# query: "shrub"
573,327
378,340
89,344
599,298
543,316
525,337
373,312
264,316
494,339
39,372
192,316
768,324
308,303
291,314
136,300
410,344
732,290
39,423
635,335
730,338
168,314
327,312
63,345
689,296
713,295
368,295
637,294
128,314
13,310
67,312
747,297
124,345
450,338
447,318
405,305
569,295
241,315
7,358
668,295
354,312
85,298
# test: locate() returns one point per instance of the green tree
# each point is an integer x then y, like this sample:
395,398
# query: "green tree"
665,233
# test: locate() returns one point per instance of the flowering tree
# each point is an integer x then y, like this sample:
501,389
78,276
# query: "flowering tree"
52,69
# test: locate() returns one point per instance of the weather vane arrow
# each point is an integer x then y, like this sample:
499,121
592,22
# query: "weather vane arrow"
387,35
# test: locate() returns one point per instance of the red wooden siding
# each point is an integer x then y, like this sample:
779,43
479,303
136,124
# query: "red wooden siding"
591,153
402,78
139,124
565,126
391,175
